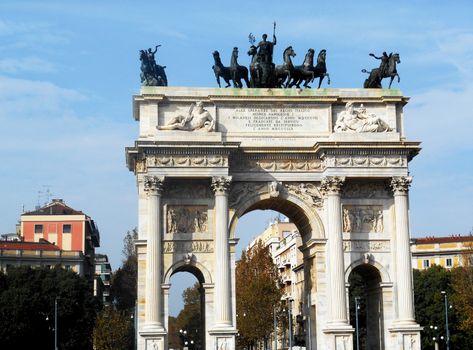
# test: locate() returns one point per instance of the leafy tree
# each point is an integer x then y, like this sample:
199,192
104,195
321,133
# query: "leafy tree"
123,284
462,284
113,330
257,293
27,299
430,308
190,317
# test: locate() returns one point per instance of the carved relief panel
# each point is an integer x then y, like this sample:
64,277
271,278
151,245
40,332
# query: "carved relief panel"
186,219
363,218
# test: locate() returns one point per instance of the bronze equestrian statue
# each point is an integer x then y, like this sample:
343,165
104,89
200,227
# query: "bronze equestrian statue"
387,69
152,74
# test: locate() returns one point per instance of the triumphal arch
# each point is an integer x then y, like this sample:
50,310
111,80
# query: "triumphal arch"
335,161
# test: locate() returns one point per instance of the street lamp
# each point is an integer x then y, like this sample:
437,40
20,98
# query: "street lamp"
55,323
444,293
434,329
290,322
357,307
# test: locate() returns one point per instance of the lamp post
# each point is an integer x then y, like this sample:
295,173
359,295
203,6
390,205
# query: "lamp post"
444,293
275,328
55,323
357,307
290,323
435,338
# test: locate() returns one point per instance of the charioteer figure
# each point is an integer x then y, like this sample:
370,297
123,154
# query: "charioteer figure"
265,49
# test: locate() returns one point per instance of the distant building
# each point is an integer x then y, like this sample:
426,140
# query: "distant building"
67,228
282,238
448,252
42,253
103,273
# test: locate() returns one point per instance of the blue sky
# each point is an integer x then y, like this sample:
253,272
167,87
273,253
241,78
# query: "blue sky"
68,70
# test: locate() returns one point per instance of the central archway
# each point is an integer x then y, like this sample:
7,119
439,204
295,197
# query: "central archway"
309,226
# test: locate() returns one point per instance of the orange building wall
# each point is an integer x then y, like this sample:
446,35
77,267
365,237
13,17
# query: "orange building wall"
77,232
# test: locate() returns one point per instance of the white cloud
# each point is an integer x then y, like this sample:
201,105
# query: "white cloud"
27,98
28,64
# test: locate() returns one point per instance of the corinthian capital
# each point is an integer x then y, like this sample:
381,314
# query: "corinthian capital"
221,184
332,184
154,185
400,184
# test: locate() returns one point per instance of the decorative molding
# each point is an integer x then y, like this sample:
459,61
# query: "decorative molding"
140,166
188,247
221,184
276,165
366,161
400,184
176,161
363,218
366,246
367,190
186,219
153,185
332,184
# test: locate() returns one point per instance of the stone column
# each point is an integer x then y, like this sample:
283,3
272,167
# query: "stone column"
223,299
400,186
331,187
153,308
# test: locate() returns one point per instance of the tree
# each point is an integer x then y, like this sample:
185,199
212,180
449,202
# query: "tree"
430,308
113,330
257,293
27,299
462,284
190,317
123,284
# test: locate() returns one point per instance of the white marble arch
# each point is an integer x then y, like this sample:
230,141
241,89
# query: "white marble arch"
383,272
281,146
303,215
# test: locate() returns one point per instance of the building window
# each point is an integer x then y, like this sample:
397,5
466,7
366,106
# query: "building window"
426,264
448,262
38,228
66,228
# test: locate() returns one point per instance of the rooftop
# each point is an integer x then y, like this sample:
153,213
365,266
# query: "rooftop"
447,239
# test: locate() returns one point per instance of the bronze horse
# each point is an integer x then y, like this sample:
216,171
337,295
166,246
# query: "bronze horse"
307,72
238,72
376,76
220,70
284,72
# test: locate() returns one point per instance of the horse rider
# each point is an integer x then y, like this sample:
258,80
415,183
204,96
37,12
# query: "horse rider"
151,60
383,67
265,49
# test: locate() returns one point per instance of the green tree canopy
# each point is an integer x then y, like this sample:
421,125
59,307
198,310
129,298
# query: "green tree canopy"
462,284
113,330
430,308
27,298
190,317
123,284
257,293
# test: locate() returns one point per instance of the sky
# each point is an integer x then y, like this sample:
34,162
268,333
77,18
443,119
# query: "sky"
69,69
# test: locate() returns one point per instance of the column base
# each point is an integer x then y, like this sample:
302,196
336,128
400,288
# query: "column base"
154,337
406,335
224,338
339,336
